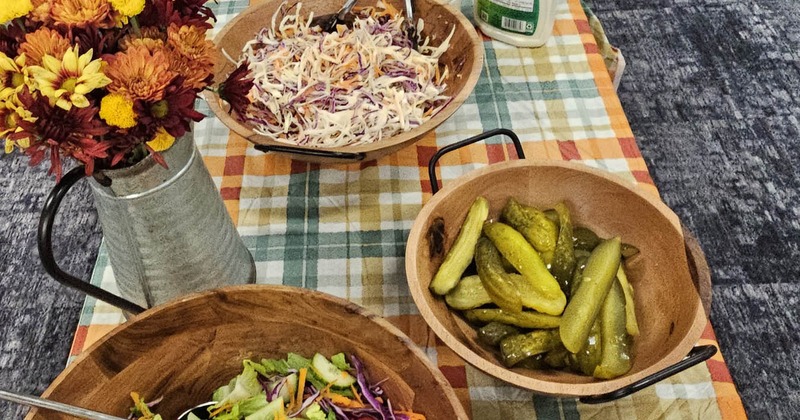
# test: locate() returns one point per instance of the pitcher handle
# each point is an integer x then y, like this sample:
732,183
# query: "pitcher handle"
45,243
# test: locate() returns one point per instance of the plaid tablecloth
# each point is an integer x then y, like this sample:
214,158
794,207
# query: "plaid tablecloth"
342,229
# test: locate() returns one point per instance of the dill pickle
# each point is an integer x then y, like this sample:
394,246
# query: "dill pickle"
585,238
524,258
557,358
532,223
564,255
460,254
494,332
615,343
631,325
552,215
533,362
524,319
577,275
516,348
495,280
628,250
588,357
468,293
598,276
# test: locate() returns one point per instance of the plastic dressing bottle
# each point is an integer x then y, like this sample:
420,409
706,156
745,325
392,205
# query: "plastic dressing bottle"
522,23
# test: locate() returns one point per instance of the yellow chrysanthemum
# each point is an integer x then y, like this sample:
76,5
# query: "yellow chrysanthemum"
67,82
10,115
13,9
128,8
13,76
161,141
117,110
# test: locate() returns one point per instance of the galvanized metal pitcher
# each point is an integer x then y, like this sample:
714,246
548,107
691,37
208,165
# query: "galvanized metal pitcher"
167,230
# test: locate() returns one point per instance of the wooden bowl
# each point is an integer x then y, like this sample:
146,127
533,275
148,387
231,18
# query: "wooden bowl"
668,307
464,58
185,349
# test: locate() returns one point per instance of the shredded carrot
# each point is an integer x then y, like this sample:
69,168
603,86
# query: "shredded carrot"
280,415
301,385
343,401
219,410
358,397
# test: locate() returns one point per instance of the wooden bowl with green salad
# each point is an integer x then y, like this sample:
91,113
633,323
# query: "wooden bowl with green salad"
338,97
469,262
188,351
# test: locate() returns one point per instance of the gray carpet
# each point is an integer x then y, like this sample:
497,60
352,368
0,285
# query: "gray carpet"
712,92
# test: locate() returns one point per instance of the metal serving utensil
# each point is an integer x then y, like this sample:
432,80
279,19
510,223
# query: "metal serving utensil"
200,410
42,403
411,28
328,22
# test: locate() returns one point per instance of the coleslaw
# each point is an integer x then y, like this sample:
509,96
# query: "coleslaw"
356,85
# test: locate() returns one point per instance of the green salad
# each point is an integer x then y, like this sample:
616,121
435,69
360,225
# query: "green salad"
318,388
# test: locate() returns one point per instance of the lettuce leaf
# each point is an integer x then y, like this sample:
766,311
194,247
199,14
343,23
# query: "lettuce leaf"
340,362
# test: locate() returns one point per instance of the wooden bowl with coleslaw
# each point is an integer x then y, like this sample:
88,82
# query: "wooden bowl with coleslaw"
463,60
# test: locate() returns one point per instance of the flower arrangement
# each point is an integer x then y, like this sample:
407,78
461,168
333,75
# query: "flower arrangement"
105,82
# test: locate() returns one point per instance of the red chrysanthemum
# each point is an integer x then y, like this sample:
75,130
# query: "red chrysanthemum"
10,37
74,133
174,112
162,13
235,90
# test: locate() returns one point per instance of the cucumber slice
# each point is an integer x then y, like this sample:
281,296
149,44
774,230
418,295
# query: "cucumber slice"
330,373
289,388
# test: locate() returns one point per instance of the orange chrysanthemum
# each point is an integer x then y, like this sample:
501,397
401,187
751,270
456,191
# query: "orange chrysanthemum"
83,13
43,41
190,54
41,11
139,74
149,37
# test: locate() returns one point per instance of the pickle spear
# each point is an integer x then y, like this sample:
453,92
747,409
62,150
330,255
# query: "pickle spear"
534,225
460,254
564,255
526,260
524,319
516,348
615,346
598,276
469,293
495,280
631,325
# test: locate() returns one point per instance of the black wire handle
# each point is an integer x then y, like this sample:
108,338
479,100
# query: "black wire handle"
697,355
45,243
459,144
356,157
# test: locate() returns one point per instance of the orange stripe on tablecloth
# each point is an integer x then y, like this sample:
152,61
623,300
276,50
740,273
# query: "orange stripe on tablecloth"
568,150
78,341
564,27
729,401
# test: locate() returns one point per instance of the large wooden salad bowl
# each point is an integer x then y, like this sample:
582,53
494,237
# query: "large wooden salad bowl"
668,306
464,59
185,349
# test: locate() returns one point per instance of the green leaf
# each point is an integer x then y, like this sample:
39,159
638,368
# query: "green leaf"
296,361
340,361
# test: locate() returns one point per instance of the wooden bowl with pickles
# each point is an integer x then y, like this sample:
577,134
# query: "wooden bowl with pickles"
556,277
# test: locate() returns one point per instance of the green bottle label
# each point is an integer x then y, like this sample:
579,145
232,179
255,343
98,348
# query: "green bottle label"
519,16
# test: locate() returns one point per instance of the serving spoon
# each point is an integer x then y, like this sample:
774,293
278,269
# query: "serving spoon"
200,410
328,22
